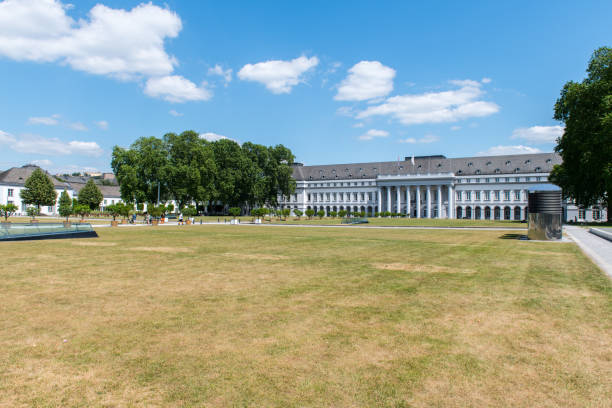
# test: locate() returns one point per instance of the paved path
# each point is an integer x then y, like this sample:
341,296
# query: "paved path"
596,248
406,227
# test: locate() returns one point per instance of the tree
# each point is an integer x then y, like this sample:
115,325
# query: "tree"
91,195
114,210
342,213
65,205
310,213
82,210
298,213
234,212
321,213
32,212
190,211
586,144
333,214
6,210
39,190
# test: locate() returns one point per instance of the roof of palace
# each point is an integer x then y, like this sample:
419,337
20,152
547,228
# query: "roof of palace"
107,191
462,166
17,176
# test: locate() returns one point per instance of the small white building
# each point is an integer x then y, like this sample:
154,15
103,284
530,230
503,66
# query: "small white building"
12,181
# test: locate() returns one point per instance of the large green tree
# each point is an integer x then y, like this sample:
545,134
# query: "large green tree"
90,195
586,145
39,190
141,170
191,168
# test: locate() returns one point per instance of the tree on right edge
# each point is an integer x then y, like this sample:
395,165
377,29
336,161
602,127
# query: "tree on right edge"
586,145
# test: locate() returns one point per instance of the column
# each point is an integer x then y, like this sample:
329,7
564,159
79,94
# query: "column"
418,201
451,204
429,202
439,201
482,200
398,190
388,198
379,199
408,209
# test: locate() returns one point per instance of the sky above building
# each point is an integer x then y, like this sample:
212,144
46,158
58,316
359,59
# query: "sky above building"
333,81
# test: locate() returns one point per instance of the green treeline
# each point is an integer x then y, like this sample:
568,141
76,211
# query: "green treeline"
190,169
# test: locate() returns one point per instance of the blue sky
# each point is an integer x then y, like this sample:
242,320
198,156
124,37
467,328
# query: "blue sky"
333,81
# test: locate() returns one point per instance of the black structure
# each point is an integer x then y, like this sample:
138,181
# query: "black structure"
545,212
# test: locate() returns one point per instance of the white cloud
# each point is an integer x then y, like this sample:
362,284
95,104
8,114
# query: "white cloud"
504,150
278,76
358,125
175,88
42,162
213,137
78,126
455,128
435,107
175,113
424,139
41,145
219,71
120,43
366,80
102,124
44,120
117,42
486,80
372,133
6,138
538,134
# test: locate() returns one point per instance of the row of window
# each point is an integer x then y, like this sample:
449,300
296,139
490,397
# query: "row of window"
343,184
486,195
500,179
335,197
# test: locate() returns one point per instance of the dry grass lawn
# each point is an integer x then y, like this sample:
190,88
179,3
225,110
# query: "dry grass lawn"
223,316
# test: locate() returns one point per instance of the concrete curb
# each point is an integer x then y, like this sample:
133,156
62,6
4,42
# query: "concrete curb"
601,233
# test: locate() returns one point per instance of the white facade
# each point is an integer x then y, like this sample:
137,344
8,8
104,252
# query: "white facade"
500,195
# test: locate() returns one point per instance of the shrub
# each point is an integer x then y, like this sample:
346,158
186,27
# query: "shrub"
298,213
333,214
342,213
286,212
309,213
321,213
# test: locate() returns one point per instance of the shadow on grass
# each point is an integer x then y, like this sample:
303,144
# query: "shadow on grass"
521,237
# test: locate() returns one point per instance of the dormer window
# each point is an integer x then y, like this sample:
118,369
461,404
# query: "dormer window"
538,169
470,164
323,177
350,175
489,163
309,177
508,163
478,171
497,171
548,161
419,166
527,161
460,172
439,165
517,170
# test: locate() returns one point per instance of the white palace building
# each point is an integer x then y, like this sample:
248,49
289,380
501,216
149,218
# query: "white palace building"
484,187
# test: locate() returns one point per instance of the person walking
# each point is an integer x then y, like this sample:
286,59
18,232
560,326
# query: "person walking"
180,219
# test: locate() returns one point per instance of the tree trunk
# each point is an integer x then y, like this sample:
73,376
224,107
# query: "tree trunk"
609,214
